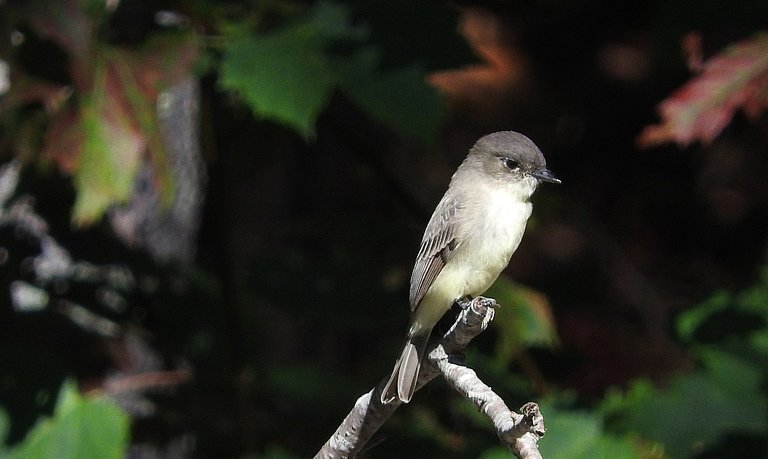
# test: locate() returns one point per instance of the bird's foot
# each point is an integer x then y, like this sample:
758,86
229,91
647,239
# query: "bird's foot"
467,301
486,302
464,302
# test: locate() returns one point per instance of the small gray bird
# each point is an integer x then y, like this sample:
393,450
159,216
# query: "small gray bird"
469,240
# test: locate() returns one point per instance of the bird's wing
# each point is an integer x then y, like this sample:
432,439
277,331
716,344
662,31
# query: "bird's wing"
437,247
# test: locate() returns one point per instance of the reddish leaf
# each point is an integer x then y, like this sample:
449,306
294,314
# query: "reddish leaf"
165,60
102,135
112,148
119,121
735,78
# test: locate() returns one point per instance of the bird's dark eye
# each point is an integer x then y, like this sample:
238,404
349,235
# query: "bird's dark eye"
511,163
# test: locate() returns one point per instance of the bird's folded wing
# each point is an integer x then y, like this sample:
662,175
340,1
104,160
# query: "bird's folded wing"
437,247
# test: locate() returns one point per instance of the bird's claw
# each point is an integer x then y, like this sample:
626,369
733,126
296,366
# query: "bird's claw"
466,302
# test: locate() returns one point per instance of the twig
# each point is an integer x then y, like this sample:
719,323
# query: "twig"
520,432
144,381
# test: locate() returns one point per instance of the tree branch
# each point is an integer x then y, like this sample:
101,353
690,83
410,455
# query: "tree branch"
520,432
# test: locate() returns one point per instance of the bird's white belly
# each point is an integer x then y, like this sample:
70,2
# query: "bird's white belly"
487,243
487,251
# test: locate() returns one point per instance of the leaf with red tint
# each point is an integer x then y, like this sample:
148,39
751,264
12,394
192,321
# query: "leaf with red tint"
735,78
104,139
111,150
103,133
164,60
119,119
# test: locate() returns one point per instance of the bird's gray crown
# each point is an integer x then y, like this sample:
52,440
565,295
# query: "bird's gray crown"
510,144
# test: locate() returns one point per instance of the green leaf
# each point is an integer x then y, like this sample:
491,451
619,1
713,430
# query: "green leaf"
111,150
283,76
5,428
576,434
81,428
400,98
728,315
690,320
736,375
289,75
694,411
523,319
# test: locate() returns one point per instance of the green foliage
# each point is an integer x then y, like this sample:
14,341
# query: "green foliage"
577,435
399,98
5,428
691,414
284,76
726,395
524,319
81,428
745,314
288,75
102,123
103,178
580,434
695,410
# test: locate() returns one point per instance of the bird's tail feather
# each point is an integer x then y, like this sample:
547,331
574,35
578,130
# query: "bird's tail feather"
402,383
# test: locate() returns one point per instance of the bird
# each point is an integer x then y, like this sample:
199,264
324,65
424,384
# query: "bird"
475,228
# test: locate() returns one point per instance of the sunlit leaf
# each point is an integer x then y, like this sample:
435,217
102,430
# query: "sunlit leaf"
735,78
289,75
523,319
112,148
283,76
81,428
104,139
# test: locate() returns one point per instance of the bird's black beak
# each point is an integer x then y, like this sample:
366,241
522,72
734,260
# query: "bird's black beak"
545,175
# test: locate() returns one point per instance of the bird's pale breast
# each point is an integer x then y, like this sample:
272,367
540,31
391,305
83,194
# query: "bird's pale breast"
489,233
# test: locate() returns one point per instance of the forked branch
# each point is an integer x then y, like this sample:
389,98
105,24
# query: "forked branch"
519,431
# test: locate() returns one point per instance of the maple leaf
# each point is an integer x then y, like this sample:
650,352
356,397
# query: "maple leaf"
736,78
101,126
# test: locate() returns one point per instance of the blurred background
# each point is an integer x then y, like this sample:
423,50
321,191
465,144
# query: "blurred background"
210,210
